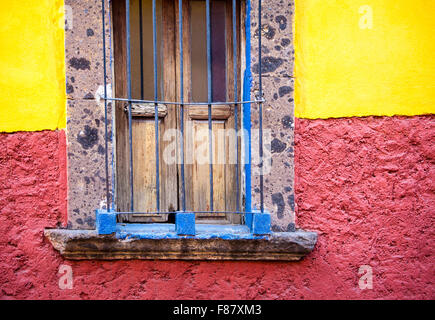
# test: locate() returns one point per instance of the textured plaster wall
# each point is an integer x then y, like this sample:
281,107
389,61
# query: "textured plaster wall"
364,184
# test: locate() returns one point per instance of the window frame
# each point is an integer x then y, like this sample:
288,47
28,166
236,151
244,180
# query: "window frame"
118,24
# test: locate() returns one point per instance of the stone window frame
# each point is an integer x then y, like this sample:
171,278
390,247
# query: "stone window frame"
111,240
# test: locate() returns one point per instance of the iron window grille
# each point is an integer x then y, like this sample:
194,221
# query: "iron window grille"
106,219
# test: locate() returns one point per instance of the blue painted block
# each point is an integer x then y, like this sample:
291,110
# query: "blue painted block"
106,221
185,223
260,222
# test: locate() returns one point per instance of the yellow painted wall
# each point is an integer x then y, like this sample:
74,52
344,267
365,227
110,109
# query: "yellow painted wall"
349,64
32,65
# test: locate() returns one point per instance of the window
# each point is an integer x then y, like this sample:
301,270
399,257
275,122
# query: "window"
146,74
172,85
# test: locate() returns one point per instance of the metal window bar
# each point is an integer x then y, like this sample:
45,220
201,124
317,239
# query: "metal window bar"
259,100
185,103
141,48
209,99
130,127
156,112
260,110
106,154
236,121
180,37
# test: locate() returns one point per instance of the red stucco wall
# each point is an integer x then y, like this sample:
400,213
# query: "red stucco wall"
366,185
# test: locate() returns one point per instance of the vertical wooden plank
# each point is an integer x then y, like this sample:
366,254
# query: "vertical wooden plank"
169,172
144,158
220,175
120,90
230,167
187,93
143,140
224,152
199,186
233,155
143,134
144,178
242,66
186,51
200,169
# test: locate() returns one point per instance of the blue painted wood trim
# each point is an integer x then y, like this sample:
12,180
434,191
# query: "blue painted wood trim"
247,84
168,231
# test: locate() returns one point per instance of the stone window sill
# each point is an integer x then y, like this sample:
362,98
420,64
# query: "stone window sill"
160,241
